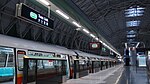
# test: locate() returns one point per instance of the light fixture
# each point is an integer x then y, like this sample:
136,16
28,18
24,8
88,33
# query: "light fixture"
126,45
75,23
85,30
100,41
96,38
137,44
78,29
44,2
92,35
62,14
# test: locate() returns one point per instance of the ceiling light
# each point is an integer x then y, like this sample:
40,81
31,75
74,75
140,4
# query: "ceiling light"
78,29
85,30
100,41
75,23
44,2
92,35
62,14
137,44
126,45
96,39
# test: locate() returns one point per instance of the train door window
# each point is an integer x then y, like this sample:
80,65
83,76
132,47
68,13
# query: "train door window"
67,64
41,64
63,56
6,65
71,61
20,55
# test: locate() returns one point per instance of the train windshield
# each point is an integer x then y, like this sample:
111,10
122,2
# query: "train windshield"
6,65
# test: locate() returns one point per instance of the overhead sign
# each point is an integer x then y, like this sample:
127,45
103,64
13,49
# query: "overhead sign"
31,15
95,45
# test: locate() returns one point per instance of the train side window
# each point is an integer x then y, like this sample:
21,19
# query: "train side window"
20,55
41,64
6,57
6,65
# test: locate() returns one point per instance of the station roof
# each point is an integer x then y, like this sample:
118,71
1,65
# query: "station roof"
115,23
122,23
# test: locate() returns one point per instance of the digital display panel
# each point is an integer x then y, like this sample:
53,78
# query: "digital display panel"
30,14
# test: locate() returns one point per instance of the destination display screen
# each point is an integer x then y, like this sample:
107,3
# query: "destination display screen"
30,14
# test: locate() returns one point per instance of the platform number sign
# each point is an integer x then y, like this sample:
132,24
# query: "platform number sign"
31,15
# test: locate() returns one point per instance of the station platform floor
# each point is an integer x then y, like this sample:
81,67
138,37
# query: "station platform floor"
119,74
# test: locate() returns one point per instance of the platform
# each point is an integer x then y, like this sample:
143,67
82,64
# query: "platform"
119,74
96,78
133,75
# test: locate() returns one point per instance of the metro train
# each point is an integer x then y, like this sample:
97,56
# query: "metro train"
12,51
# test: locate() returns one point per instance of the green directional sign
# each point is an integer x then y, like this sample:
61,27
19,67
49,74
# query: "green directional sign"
94,45
33,15
104,49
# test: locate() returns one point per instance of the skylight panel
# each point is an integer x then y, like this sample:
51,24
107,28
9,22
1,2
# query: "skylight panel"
130,40
134,12
131,36
133,23
131,32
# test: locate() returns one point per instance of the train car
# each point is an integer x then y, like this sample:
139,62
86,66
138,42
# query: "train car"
88,63
13,49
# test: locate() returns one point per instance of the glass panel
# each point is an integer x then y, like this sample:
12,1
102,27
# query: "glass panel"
52,73
6,65
20,55
40,54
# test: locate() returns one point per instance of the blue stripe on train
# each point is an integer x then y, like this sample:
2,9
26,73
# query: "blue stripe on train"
6,71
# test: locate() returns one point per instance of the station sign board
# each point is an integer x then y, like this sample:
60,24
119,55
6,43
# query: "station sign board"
95,45
32,16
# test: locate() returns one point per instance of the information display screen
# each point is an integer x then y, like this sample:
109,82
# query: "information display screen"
32,15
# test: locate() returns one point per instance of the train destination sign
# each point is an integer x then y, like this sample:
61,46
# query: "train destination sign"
32,15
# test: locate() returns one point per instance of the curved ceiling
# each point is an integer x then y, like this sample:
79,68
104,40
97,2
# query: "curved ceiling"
110,19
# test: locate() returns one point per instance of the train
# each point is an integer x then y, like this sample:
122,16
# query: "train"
13,50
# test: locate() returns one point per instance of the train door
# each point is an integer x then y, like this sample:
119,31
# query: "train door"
7,65
19,62
68,65
71,62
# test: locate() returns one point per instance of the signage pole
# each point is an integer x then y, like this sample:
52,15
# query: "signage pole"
49,11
